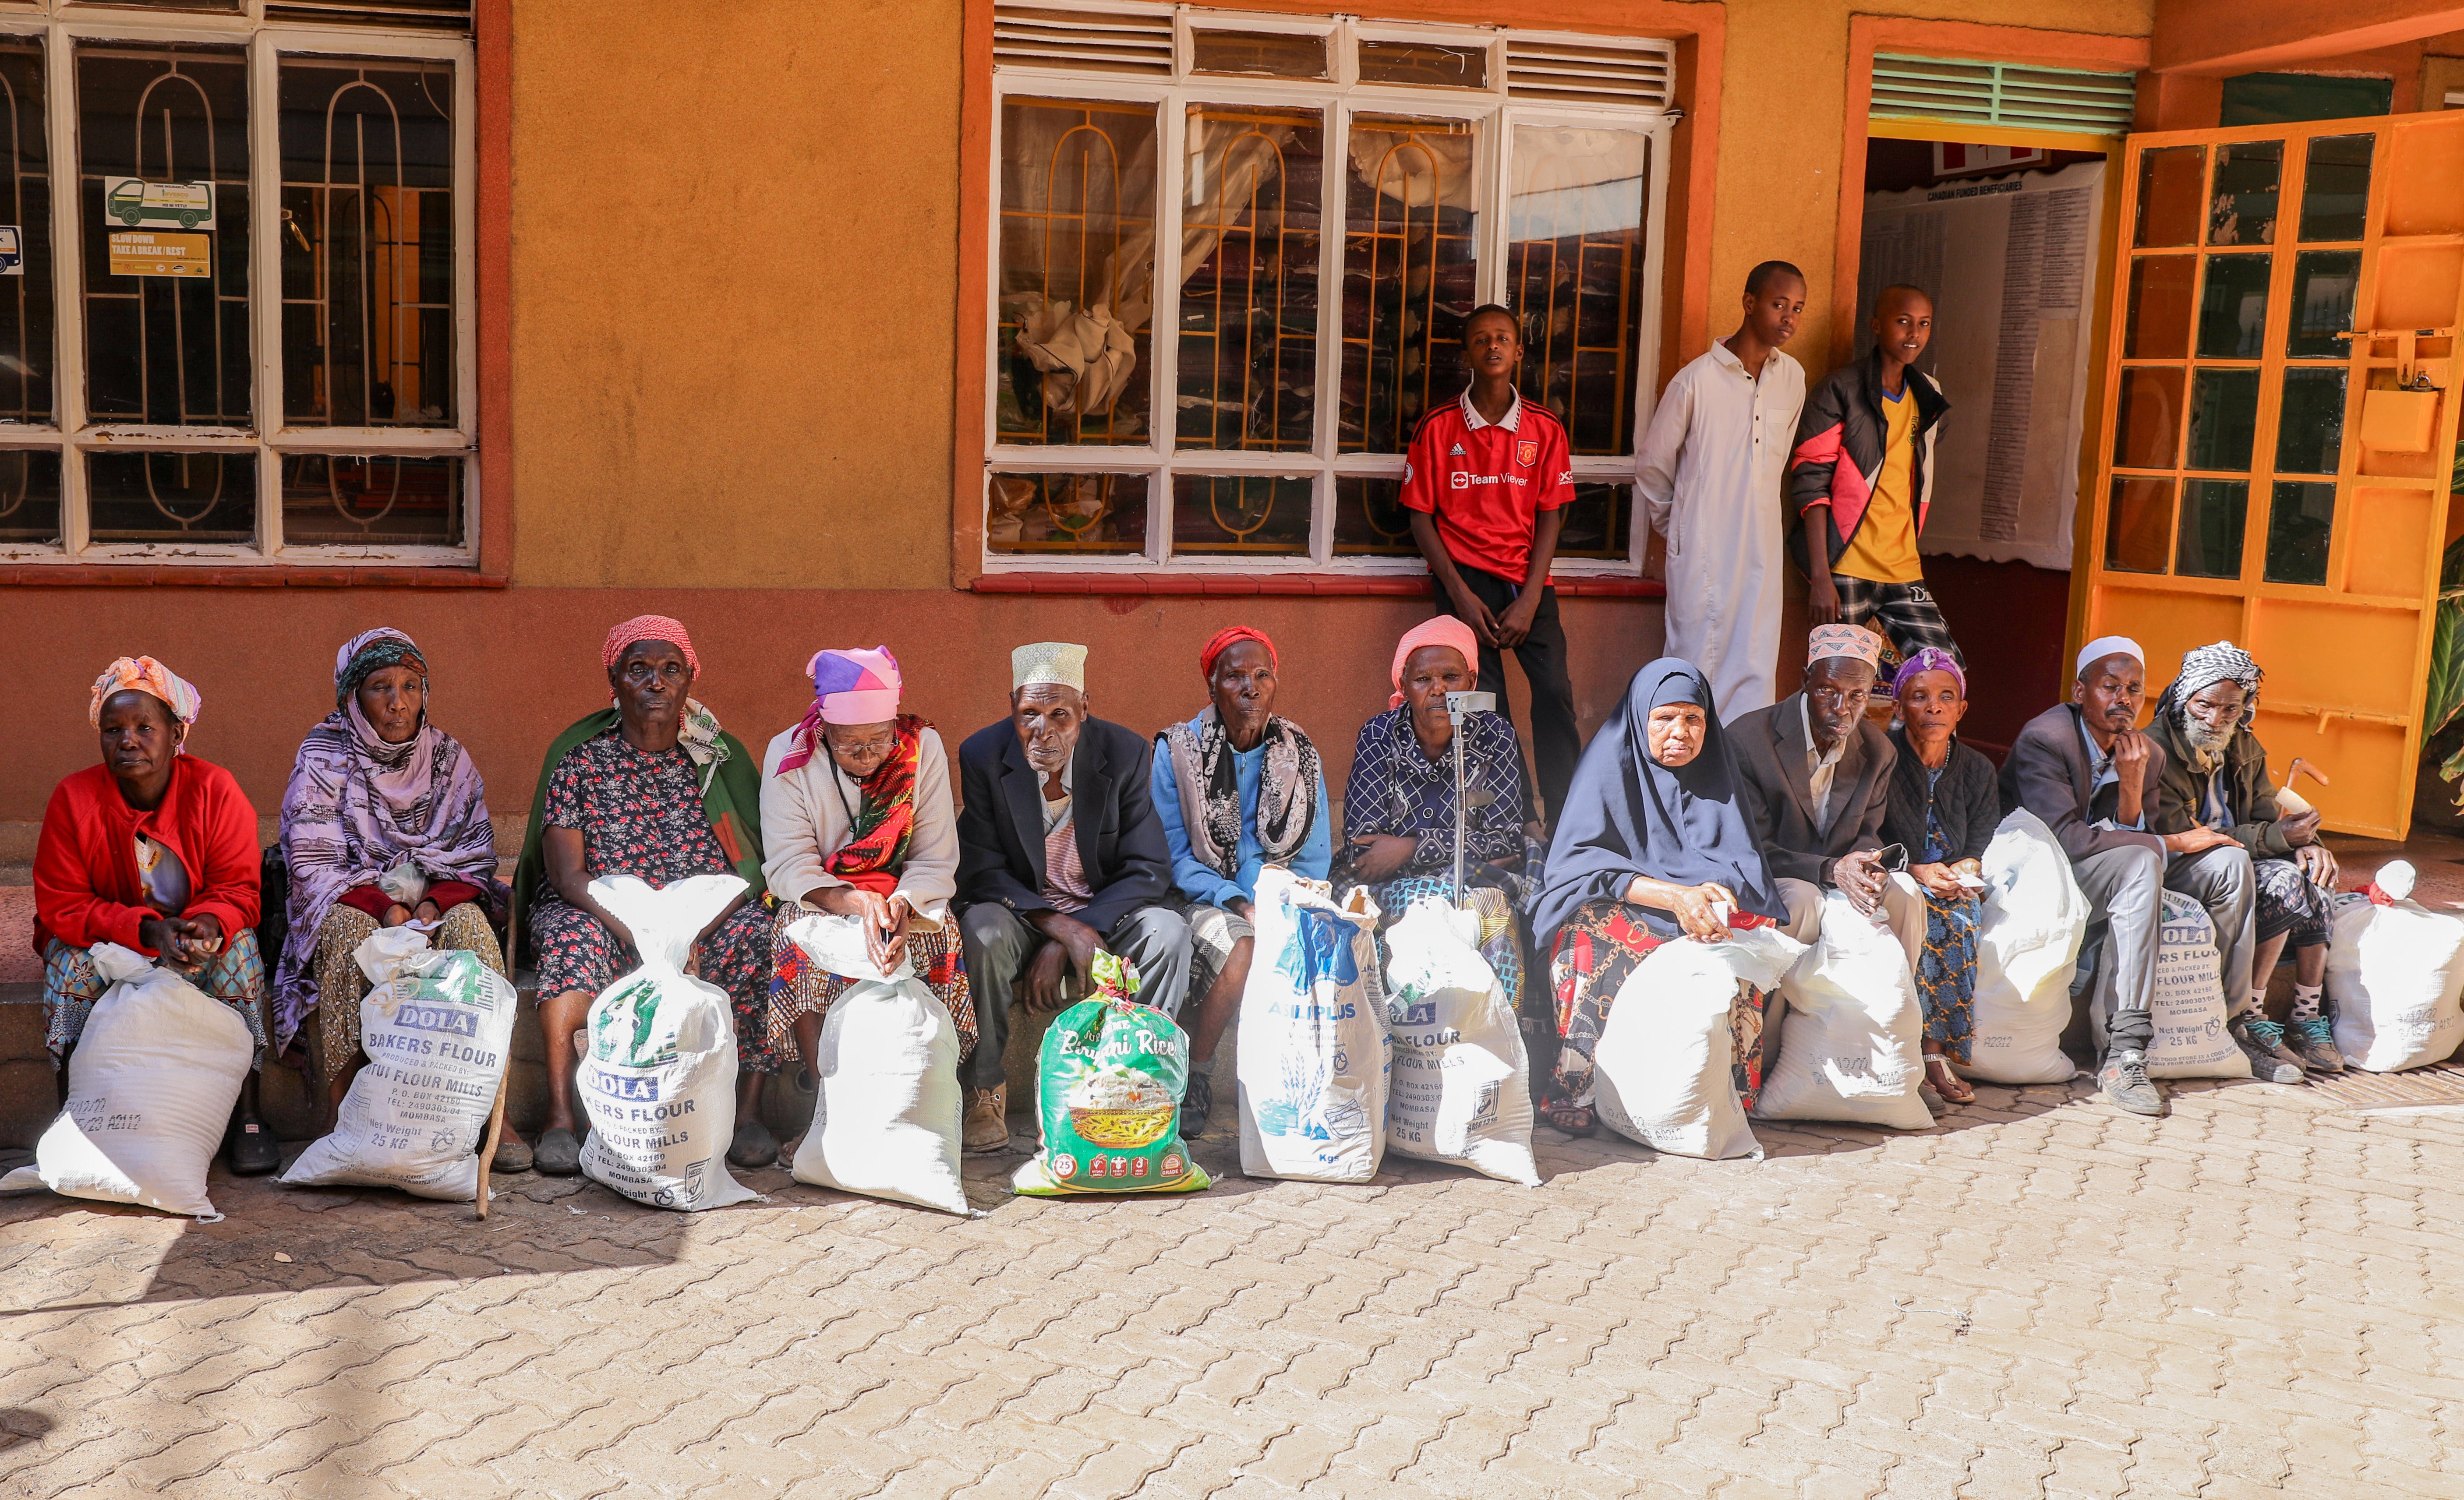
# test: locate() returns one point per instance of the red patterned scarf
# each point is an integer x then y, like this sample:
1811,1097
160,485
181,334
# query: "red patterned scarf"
885,825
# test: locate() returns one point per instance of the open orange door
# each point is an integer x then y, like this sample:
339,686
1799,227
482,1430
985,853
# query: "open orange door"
2278,428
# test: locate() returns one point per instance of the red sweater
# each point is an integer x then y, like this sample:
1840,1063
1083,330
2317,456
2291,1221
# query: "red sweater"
86,888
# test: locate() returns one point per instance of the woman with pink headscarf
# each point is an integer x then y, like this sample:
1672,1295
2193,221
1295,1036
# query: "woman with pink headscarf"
858,821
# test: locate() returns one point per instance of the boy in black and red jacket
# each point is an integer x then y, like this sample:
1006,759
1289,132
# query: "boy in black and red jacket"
1861,479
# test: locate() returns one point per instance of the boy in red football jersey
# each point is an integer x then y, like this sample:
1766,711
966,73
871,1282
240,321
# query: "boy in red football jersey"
1485,483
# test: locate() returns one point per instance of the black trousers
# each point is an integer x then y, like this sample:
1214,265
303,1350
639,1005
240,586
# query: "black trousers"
1555,742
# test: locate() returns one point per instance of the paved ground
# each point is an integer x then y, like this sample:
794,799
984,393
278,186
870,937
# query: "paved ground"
2042,1297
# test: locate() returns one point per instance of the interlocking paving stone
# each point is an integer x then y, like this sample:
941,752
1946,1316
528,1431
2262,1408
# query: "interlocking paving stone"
2040,1297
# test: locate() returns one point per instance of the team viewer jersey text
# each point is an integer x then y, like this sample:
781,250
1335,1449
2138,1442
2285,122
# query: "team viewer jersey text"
1487,482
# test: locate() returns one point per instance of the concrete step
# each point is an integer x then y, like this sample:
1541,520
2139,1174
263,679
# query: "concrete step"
29,1096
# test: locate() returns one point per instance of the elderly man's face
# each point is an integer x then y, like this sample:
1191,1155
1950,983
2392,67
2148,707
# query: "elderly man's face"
1048,718
2215,713
1837,690
2108,693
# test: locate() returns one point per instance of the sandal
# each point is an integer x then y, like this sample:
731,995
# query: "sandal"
1953,1088
1574,1119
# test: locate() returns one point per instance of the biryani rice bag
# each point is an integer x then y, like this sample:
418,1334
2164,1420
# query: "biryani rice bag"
1108,1091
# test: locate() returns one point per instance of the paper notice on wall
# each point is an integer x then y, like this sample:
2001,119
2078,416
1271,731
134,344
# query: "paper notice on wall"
134,203
136,253
2011,265
13,256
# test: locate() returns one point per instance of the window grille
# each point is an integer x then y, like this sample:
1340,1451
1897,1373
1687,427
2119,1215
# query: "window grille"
2005,94
1103,41
1588,73
422,15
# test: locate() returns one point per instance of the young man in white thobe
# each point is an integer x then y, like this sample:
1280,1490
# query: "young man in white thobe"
1712,470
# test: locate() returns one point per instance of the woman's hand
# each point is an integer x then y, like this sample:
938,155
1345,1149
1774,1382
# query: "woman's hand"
1940,880
1381,856
429,911
394,916
181,943
1703,910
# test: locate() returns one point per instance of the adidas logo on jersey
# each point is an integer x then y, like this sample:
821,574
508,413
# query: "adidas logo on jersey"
1457,452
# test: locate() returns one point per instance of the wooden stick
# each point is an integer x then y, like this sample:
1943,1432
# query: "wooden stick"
487,1145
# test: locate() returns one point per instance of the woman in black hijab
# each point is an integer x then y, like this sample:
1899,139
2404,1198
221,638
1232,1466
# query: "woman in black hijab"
1651,846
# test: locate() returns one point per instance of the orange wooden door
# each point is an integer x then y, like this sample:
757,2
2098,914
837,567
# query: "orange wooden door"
2262,475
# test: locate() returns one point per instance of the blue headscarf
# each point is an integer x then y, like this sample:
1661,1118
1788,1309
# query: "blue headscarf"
1628,815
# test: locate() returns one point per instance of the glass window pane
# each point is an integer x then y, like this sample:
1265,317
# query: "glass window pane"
1409,273
1429,64
367,243
2224,418
1280,54
2336,186
169,343
2159,327
2323,283
1574,269
2209,544
1089,515
1077,271
383,502
2147,432
26,287
133,496
2169,196
1370,518
2310,431
2139,525
2241,204
2297,527
30,496
1243,515
2233,311
1597,523
1249,286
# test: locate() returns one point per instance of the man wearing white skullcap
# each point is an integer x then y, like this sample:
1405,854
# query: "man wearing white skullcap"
1060,857
2091,775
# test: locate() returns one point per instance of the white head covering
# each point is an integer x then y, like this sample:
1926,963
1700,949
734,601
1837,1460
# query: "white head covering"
1048,661
2105,645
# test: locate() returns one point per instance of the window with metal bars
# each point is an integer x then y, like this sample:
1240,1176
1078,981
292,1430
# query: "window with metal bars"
1231,259
241,332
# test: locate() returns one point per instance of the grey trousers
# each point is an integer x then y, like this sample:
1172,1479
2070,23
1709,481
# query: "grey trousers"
998,946
2124,885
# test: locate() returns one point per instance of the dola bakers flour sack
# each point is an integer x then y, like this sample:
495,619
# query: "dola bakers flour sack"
1664,1071
1108,1085
658,1078
2188,1001
436,1028
1849,1043
1460,1091
2027,953
886,1099
1312,1053
2395,970
151,1087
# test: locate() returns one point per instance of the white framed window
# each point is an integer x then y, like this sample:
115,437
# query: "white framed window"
241,325
1230,259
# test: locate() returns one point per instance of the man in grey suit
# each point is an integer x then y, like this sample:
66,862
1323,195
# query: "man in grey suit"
1813,774
2086,769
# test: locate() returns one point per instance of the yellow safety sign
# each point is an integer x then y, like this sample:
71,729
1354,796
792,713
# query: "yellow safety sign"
144,252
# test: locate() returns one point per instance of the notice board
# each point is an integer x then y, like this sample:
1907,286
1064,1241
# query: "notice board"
2011,265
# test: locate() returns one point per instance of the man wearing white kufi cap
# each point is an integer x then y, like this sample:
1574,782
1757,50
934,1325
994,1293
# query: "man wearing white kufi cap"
2091,775
1060,857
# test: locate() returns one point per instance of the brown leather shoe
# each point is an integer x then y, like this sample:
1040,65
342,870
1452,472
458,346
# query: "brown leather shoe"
987,1125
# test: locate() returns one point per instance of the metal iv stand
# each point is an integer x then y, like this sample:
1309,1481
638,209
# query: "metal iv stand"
1460,707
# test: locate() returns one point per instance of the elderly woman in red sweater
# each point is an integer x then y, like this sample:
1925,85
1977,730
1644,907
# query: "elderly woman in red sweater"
155,850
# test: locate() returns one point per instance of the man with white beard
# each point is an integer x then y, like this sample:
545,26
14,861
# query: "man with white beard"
2215,787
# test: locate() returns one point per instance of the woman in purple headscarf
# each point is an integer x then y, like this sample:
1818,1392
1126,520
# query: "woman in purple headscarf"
385,822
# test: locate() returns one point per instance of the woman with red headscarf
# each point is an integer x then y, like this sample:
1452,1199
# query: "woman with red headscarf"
858,821
1238,789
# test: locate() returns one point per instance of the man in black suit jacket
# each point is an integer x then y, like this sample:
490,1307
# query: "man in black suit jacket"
1815,776
1061,855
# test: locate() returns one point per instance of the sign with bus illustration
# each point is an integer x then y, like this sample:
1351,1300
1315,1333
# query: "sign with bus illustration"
135,203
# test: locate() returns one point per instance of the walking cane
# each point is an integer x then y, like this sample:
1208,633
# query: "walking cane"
1460,707
497,1110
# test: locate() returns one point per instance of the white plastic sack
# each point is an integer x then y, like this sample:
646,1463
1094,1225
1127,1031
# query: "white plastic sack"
436,1028
2188,1003
2394,975
1313,1050
151,1087
1663,1073
1850,1044
2026,954
887,1105
658,1079
1461,1090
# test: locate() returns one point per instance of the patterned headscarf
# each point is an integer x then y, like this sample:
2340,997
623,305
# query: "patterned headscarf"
849,687
1224,640
2202,666
649,627
697,729
145,674
1929,658
364,655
